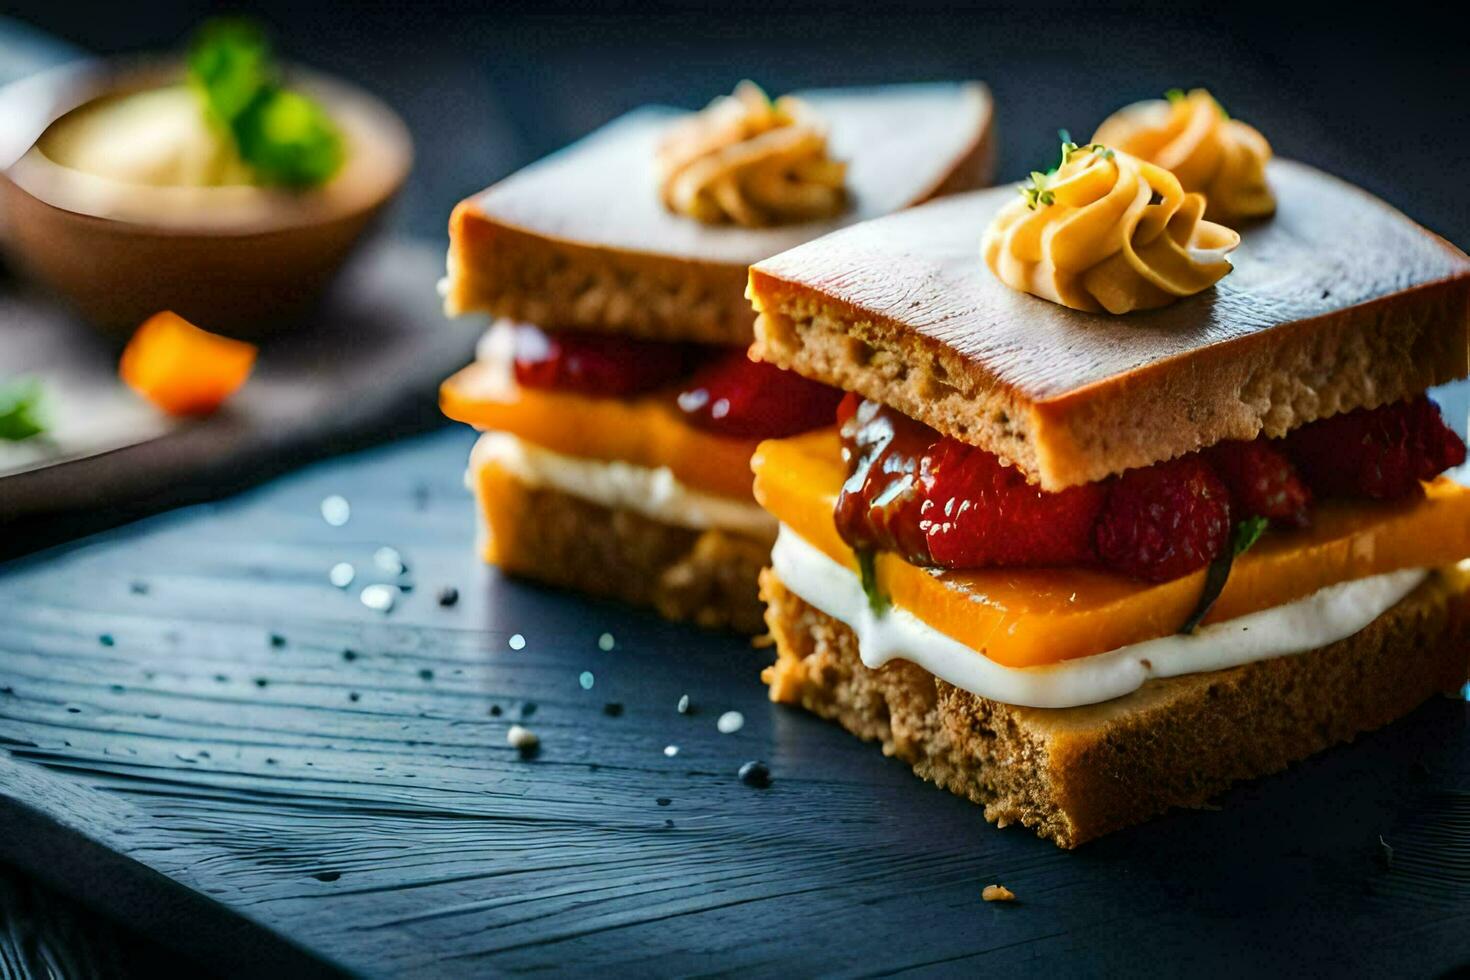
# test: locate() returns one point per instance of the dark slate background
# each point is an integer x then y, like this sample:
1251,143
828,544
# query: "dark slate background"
1375,94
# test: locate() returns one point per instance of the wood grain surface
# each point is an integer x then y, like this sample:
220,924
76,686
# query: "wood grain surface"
201,735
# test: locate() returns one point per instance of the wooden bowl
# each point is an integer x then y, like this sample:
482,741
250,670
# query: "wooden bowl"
240,260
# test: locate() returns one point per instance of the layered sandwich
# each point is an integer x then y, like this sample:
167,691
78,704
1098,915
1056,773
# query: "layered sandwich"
618,403
1123,504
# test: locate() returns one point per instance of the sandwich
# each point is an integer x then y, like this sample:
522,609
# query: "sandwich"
1122,504
618,406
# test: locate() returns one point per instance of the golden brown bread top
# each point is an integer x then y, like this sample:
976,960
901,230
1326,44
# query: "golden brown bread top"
582,239
1337,302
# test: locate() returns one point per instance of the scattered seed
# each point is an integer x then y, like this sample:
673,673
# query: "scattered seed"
349,655
262,682
336,511
495,711
730,722
605,642
517,641
613,709
342,574
998,893
354,696
389,561
277,640
586,679
138,588
755,773
106,640
671,750
448,596
379,598
426,674
327,875
528,709
685,705
663,801
523,740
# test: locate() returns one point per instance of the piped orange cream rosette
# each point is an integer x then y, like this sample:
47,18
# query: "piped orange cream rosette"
1191,136
1107,231
751,161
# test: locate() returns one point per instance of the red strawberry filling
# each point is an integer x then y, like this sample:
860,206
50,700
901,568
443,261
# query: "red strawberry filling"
596,364
723,391
735,396
943,503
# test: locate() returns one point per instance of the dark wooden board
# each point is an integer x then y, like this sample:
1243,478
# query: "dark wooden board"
284,802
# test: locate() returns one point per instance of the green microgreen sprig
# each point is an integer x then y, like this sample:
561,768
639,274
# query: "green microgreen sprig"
1242,539
1037,188
22,414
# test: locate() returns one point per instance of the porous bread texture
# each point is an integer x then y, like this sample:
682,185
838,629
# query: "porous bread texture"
563,285
706,577
1074,774
1377,353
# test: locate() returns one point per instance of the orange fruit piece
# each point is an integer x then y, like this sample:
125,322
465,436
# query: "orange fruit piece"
182,369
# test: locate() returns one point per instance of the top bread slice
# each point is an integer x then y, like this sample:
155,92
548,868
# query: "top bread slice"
581,239
1337,302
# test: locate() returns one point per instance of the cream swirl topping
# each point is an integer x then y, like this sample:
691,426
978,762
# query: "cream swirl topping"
1190,135
1107,231
749,160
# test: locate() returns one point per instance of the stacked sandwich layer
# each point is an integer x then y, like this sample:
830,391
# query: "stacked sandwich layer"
619,407
1082,568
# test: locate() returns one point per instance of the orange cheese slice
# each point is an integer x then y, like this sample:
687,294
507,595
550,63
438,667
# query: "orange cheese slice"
1030,617
645,430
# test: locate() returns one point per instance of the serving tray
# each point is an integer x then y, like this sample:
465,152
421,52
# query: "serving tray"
203,737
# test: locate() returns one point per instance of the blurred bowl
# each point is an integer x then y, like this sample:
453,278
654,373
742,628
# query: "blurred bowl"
240,260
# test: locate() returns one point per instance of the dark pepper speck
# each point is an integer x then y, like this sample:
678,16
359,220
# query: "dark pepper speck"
755,773
106,640
277,640
613,709
448,596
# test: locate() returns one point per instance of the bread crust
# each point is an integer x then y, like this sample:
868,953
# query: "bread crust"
580,240
1075,774
706,577
1338,302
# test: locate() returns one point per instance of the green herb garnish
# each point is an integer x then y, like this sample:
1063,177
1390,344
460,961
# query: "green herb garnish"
1037,189
21,415
868,571
1246,534
283,135
1179,95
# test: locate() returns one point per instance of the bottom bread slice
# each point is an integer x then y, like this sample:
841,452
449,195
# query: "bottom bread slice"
1074,774
707,577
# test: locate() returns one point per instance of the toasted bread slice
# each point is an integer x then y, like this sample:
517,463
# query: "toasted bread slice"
1074,774
582,240
708,577
1337,302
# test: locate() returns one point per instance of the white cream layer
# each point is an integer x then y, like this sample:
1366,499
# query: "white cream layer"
1324,617
652,492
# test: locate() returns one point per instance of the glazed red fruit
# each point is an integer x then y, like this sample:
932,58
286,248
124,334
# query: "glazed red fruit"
1165,520
888,465
735,396
981,513
1381,453
1262,482
596,364
938,501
